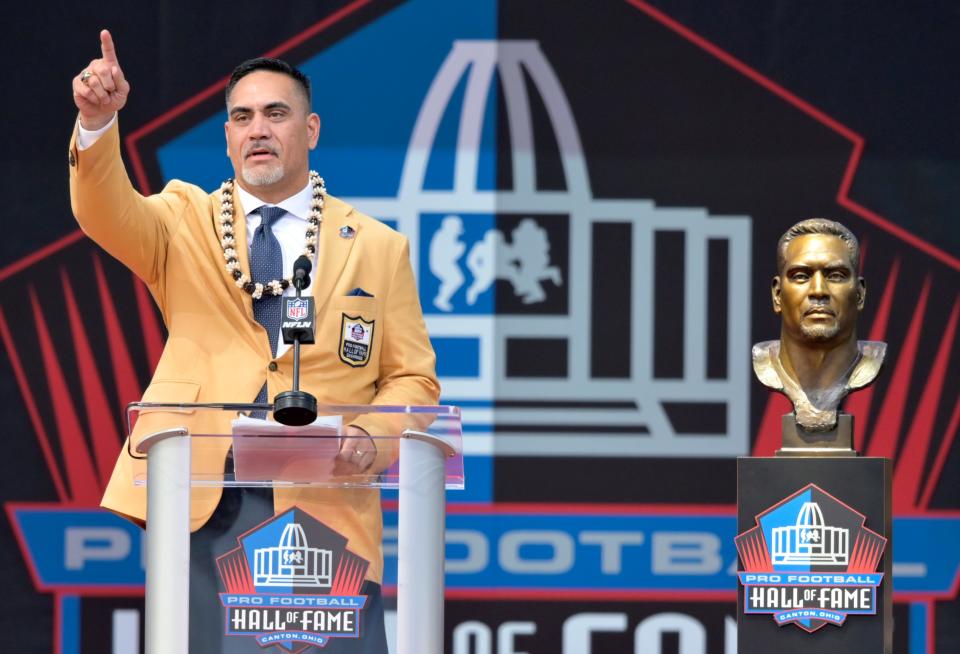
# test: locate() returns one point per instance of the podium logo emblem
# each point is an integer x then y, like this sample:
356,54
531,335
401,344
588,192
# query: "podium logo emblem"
293,584
800,567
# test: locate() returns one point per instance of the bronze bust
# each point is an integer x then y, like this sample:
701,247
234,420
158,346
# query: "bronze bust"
819,295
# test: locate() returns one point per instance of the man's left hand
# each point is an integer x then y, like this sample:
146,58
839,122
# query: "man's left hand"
357,451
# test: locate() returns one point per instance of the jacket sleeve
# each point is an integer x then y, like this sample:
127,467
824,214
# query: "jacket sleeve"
407,373
132,228
407,362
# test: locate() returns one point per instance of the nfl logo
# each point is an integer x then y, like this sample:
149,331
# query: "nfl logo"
297,309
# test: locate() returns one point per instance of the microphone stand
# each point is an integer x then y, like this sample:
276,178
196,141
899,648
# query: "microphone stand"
296,407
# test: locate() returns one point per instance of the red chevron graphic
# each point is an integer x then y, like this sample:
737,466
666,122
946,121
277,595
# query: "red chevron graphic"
753,550
31,406
236,573
912,460
101,425
350,573
887,432
83,484
120,361
85,421
867,551
860,402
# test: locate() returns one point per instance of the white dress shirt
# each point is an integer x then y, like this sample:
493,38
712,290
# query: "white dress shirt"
290,230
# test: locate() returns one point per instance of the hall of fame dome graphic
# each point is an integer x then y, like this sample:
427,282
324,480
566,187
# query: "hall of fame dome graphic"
810,541
292,562
508,277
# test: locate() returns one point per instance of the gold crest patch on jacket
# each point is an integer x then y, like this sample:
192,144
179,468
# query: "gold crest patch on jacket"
356,340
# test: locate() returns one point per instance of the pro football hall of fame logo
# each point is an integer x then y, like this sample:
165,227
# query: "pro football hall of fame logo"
810,561
293,584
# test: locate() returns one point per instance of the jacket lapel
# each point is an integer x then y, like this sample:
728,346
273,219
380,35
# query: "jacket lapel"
240,245
333,250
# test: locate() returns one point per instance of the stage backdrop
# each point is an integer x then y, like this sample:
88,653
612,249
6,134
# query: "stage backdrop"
593,192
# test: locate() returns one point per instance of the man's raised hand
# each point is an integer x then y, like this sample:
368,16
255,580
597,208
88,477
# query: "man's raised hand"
100,89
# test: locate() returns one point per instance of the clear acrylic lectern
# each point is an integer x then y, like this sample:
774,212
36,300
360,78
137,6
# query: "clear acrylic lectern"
184,448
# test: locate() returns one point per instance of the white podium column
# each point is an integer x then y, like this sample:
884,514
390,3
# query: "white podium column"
167,618
421,549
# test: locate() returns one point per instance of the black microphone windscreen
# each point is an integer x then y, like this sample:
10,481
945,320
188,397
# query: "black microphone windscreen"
302,266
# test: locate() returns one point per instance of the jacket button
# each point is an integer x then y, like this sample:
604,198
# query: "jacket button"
273,366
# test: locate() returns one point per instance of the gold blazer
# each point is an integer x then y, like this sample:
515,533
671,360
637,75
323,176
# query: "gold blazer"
217,352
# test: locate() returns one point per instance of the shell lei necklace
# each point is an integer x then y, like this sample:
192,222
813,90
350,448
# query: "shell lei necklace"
228,243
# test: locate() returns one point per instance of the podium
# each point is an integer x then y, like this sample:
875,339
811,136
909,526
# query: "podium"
815,525
197,447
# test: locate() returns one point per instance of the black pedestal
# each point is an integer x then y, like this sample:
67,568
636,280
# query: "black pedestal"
862,484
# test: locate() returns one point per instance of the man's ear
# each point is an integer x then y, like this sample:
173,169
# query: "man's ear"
861,293
775,293
313,130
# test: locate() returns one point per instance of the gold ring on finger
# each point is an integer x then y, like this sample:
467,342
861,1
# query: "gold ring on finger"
85,75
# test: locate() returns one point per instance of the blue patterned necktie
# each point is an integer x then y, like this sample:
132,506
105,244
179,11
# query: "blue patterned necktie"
266,264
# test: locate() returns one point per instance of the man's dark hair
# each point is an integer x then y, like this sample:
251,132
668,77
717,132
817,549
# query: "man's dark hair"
819,226
272,65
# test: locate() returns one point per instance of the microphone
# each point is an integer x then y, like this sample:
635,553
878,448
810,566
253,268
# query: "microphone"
301,273
297,324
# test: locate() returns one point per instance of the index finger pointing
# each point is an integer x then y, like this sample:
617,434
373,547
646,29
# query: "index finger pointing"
107,48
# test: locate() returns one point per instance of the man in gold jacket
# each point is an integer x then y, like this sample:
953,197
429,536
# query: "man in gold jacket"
216,350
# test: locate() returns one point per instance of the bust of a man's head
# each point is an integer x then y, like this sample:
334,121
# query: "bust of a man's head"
817,289
819,295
